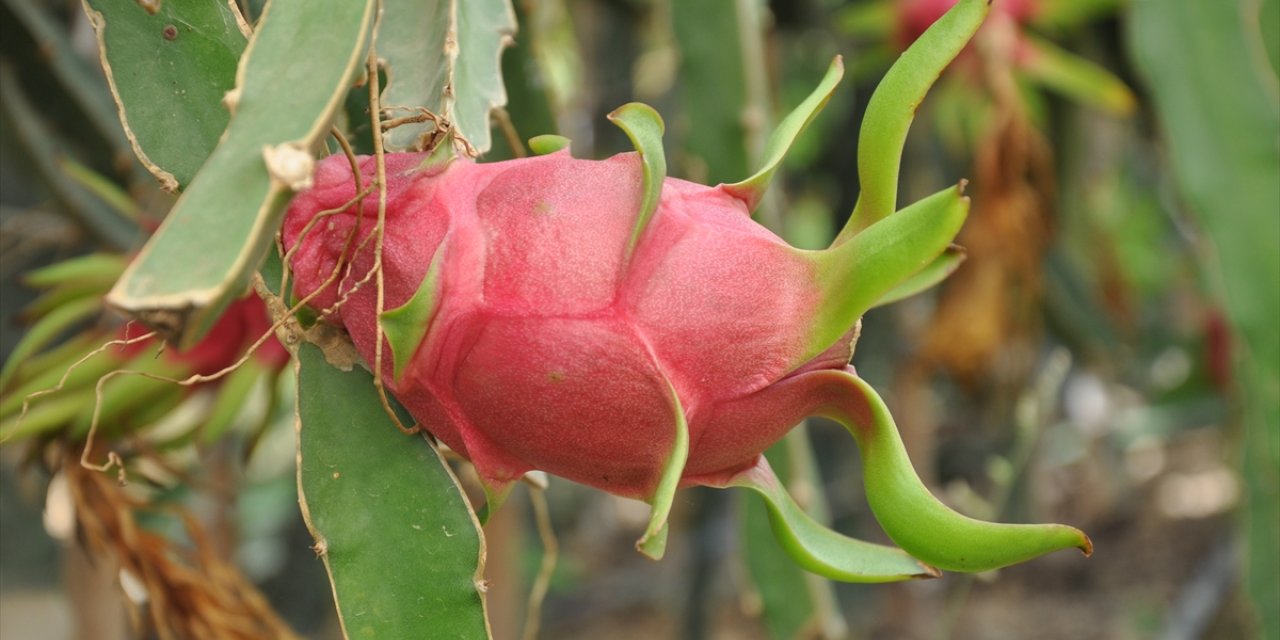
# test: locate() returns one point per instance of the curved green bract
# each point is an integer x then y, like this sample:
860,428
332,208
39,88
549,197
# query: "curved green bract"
821,550
854,275
406,326
931,275
547,144
495,495
291,80
893,106
752,189
654,541
644,127
916,520
793,601
403,550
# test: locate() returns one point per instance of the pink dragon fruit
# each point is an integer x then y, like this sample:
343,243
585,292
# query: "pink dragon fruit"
636,333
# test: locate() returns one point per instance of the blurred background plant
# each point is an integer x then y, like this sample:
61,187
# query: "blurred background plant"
1107,356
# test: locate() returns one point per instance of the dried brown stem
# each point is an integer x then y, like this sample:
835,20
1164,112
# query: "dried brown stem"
375,114
191,591
510,133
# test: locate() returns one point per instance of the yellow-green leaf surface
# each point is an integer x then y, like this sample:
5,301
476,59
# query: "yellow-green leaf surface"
403,550
893,106
820,549
1218,96
644,127
293,77
444,56
169,71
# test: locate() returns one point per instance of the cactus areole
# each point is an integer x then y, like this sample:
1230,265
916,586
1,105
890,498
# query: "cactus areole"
637,333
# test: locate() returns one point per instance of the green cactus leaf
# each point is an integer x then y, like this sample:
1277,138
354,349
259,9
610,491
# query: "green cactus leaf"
644,127
233,395
715,139
752,189
548,144
406,326
819,549
913,517
169,71
654,541
68,293
853,276
444,56
893,106
46,416
1217,96
296,70
404,551
136,399
933,274
48,329
47,366
44,372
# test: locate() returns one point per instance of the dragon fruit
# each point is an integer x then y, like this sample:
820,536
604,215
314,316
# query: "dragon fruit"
637,333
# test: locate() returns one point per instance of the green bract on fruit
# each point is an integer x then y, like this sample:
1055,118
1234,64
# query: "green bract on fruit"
637,333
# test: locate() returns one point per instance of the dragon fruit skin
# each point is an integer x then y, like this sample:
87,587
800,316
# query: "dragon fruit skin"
599,321
555,348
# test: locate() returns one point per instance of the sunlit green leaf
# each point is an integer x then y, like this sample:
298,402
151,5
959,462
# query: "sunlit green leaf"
857,273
